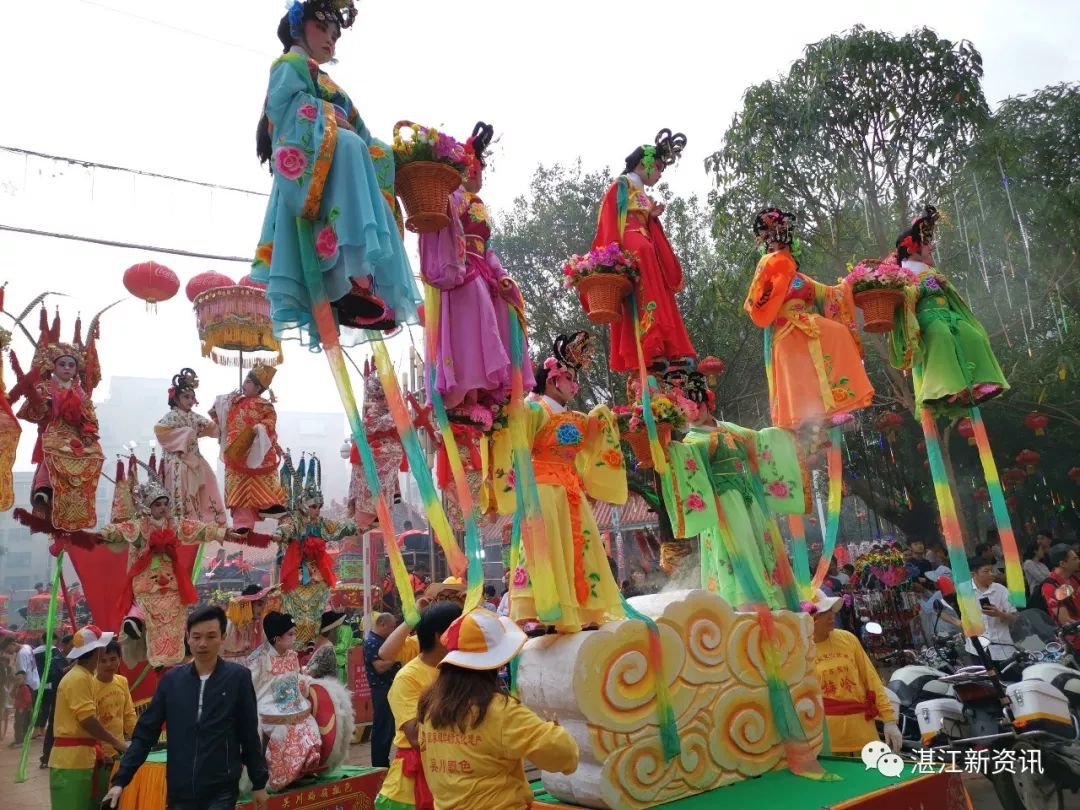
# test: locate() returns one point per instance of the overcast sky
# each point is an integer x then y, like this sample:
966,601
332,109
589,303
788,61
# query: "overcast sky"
176,88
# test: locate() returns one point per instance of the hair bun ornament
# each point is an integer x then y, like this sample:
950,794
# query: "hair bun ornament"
669,146
573,350
772,225
186,380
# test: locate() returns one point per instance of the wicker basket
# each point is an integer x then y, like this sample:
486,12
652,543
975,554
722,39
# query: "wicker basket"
424,187
639,444
878,308
603,295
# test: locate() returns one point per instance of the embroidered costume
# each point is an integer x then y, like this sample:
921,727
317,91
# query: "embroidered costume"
575,457
330,172
250,451
382,435
67,453
158,578
307,570
472,360
10,430
628,217
813,356
936,335
189,478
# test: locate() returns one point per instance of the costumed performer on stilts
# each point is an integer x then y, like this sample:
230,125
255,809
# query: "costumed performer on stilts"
158,580
330,172
472,362
189,478
575,456
250,450
629,217
307,570
813,357
936,335
68,455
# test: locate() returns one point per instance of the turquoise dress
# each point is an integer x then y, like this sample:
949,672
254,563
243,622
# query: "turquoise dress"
342,182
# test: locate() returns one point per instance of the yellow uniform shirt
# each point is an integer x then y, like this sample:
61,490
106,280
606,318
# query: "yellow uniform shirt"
485,766
115,709
410,648
846,673
410,682
74,703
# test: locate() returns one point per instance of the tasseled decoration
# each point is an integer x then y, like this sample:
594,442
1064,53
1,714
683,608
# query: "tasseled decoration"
43,321
40,525
119,470
161,467
77,338
54,332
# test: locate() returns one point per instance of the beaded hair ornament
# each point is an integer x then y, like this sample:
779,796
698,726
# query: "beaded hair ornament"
666,149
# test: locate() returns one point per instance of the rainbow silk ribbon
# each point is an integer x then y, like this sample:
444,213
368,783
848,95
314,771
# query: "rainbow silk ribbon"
328,338
836,493
529,517
970,613
659,459
1014,572
800,553
474,551
669,731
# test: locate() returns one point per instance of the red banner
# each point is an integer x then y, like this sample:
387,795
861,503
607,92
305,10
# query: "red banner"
350,793
358,683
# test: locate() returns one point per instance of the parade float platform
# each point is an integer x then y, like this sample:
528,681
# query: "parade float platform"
347,788
860,789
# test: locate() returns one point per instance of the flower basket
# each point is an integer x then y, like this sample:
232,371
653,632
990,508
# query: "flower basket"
429,167
603,294
878,308
425,188
639,443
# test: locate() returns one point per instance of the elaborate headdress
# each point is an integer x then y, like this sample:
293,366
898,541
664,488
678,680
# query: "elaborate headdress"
570,354
696,389
340,12
50,349
920,233
373,390
665,150
152,490
773,226
477,144
262,375
186,380
302,484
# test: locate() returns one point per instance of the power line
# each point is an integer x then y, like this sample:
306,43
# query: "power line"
126,245
178,29
91,165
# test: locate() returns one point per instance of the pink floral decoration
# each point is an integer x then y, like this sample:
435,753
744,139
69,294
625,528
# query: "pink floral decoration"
326,242
290,162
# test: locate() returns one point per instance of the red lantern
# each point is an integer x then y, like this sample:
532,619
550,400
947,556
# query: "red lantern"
248,281
1036,422
711,367
966,429
1029,459
982,495
1074,474
152,282
209,280
888,422
921,447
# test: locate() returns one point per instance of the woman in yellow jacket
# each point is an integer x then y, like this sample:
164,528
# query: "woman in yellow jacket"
474,738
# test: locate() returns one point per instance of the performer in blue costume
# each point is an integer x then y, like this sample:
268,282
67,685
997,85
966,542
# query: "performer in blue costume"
329,170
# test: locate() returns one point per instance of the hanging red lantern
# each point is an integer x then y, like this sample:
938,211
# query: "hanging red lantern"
1036,422
152,282
982,495
966,429
209,280
1013,476
1029,459
711,367
888,423
248,281
1074,475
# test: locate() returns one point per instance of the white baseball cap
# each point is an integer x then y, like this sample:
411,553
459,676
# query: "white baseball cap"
825,603
87,639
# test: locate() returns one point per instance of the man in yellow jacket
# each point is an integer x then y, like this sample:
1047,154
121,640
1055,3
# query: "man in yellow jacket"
853,694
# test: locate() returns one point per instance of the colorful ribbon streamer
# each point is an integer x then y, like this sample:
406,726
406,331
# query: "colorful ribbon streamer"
836,494
1014,573
50,628
533,535
799,552
669,732
418,464
659,459
474,551
328,336
970,613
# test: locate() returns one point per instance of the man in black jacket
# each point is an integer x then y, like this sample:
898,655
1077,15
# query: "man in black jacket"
209,706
